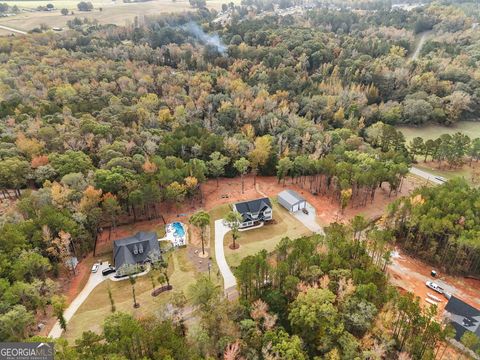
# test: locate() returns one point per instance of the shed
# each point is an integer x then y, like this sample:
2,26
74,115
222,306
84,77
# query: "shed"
291,200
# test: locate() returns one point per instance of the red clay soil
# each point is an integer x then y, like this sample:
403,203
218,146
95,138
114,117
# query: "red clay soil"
410,274
229,191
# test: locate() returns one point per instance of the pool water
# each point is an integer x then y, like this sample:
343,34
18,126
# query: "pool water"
179,230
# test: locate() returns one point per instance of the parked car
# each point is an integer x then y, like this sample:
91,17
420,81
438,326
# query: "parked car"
305,211
435,287
109,270
95,267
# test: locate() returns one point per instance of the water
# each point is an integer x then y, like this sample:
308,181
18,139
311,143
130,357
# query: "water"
179,230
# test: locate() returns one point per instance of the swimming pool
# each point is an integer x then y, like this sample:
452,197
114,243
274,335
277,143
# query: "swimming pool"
179,230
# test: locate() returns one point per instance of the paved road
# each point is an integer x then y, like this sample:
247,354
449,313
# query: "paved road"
13,30
426,175
229,280
93,282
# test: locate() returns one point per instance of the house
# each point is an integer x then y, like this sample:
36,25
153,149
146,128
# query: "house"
254,212
138,249
291,200
463,317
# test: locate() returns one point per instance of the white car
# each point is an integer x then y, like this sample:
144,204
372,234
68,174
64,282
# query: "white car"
95,268
435,287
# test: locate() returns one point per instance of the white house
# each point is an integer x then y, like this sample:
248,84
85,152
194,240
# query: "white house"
254,212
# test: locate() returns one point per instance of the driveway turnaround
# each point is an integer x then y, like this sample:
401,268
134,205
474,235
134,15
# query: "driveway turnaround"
310,220
94,280
229,280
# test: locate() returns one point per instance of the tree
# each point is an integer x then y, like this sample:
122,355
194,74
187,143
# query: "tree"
85,6
203,292
14,323
110,297
64,12
70,162
14,173
233,221
314,317
470,340
132,281
242,165
216,165
284,167
260,154
59,303
30,265
201,219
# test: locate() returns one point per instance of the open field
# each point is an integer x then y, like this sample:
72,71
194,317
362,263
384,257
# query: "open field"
96,308
117,13
469,128
266,237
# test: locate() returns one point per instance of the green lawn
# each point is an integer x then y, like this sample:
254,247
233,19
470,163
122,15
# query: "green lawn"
266,237
96,308
469,128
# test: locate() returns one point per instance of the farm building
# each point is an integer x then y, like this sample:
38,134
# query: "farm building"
291,200
254,212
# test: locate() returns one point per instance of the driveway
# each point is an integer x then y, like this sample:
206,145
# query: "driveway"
426,175
94,280
229,280
310,220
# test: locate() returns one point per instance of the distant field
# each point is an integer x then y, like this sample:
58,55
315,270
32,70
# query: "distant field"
117,13
469,128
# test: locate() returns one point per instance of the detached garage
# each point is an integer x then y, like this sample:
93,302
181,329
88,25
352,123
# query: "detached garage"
291,200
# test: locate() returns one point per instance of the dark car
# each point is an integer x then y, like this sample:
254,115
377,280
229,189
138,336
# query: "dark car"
108,271
305,211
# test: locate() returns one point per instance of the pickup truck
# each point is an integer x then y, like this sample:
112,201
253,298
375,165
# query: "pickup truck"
435,287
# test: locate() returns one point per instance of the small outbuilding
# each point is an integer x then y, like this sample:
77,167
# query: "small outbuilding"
291,200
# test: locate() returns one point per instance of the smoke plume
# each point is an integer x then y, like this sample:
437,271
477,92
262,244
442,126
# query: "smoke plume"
206,39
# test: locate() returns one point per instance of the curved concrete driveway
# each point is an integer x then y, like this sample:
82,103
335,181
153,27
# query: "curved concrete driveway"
93,281
229,280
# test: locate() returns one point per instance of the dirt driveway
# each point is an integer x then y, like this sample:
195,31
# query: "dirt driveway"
410,274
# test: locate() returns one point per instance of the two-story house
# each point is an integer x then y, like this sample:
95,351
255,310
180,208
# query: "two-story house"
254,212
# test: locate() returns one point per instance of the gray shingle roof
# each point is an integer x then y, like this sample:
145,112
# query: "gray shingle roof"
463,316
135,249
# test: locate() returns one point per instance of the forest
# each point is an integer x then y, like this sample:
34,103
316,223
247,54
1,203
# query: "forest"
313,296
104,123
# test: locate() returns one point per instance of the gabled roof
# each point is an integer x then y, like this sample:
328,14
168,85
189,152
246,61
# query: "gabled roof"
253,206
135,249
464,317
291,197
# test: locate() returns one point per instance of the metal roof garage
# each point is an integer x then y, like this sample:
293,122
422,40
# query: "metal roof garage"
291,200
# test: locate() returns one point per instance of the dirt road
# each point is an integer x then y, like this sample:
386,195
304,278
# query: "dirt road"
420,44
410,275
7,28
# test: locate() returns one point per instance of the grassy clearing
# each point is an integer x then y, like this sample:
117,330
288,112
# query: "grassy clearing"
469,128
267,237
113,12
96,308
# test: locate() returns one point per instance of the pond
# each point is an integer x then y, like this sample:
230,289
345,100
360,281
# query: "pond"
433,131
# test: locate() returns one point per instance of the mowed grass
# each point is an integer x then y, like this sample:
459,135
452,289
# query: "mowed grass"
118,12
92,313
266,237
470,128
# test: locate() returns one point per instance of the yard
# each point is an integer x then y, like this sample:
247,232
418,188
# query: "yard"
96,308
266,237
